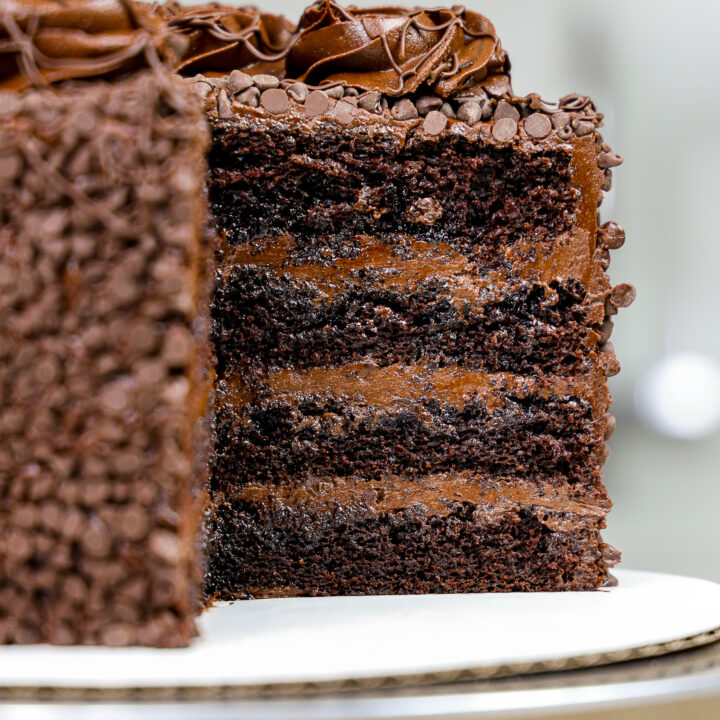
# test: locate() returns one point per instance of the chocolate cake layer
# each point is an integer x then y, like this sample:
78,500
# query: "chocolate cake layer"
433,306
103,363
324,182
363,419
447,533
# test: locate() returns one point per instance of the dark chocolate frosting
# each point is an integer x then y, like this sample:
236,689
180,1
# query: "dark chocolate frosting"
398,50
222,39
47,41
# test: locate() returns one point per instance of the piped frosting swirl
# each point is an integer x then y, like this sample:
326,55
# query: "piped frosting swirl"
221,39
49,41
398,50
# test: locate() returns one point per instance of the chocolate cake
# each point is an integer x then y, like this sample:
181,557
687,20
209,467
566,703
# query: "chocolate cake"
409,323
104,352
411,315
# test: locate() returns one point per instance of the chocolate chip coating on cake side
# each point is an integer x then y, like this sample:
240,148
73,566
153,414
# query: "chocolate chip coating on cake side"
103,364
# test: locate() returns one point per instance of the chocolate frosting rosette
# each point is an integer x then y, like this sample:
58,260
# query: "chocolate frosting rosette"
49,41
398,50
221,39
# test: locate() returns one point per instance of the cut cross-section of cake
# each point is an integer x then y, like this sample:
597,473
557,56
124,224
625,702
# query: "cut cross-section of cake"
411,317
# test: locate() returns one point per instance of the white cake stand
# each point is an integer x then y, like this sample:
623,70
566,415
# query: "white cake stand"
378,647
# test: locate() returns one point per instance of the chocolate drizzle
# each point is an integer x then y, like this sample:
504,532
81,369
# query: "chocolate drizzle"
222,39
397,50
43,43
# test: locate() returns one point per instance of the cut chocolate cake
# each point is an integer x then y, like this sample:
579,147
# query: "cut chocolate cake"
409,323
103,342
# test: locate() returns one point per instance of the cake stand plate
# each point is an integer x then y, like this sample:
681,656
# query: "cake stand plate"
320,644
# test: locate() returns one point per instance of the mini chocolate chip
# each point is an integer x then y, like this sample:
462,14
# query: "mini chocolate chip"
564,133
504,129
487,107
470,113
10,168
275,100
178,346
344,112
605,331
166,546
610,309
426,103
118,635
239,81
316,104
623,295
560,120
298,91
133,522
371,102
608,360
335,92
611,235
97,541
607,160
610,427
604,256
538,125
224,108
266,82
607,181
506,110
250,97
584,127
202,88
435,123
404,110
447,110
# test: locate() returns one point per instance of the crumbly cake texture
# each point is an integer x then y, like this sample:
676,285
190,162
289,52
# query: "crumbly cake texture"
412,315
103,362
410,318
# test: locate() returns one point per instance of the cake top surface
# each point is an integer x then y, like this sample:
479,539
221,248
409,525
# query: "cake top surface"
394,50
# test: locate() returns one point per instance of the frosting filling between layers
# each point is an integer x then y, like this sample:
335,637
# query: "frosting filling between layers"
370,420
435,494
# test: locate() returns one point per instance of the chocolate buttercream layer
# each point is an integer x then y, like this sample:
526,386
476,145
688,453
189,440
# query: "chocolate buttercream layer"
104,285
437,494
433,534
369,420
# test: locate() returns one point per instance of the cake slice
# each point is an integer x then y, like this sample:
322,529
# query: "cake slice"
104,284
411,319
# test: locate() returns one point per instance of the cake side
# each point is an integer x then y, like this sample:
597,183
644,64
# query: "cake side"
104,377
